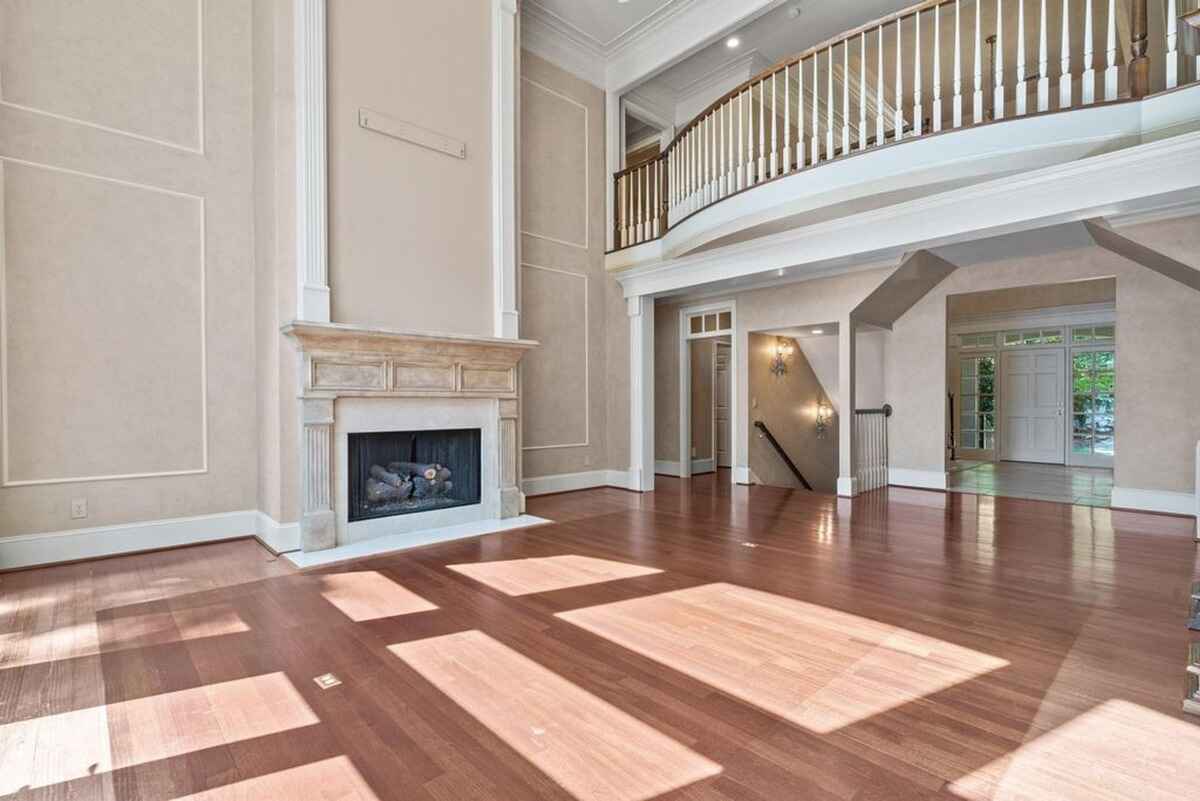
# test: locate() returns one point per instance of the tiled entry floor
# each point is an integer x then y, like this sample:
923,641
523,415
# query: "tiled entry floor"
1086,486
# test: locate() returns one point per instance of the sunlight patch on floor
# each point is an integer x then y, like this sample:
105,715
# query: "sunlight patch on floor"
370,595
1113,752
549,573
593,750
816,667
334,779
71,745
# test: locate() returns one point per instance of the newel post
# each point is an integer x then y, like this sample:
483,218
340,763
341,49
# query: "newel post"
1139,65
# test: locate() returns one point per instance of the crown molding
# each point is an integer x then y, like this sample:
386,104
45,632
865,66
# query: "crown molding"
659,16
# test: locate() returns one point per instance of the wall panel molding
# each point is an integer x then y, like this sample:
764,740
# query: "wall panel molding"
587,177
198,148
5,408
587,371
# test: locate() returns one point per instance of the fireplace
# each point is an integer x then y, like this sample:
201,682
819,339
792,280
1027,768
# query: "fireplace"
401,472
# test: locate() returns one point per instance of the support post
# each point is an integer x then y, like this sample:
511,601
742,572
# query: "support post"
641,393
614,158
1139,65
318,529
847,483
312,221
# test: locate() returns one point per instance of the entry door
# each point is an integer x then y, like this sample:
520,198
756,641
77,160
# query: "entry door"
1032,394
721,390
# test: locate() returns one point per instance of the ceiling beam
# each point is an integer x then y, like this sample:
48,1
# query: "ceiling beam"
919,273
1104,236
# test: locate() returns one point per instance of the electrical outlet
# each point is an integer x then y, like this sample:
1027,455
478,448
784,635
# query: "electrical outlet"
78,508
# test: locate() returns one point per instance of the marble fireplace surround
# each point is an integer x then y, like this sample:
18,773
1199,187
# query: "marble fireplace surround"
372,379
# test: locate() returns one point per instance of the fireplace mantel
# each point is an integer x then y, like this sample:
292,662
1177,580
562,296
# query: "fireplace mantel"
346,361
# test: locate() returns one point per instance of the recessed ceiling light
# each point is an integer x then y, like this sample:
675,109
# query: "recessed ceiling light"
732,42
818,330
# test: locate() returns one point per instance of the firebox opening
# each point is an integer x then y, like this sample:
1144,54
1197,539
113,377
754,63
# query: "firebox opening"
401,472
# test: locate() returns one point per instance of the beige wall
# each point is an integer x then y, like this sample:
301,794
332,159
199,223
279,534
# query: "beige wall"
1026,298
409,227
576,385
787,404
126,178
1158,376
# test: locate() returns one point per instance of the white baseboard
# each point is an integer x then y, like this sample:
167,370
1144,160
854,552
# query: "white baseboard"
279,537
1176,503
667,468
922,479
847,486
27,550
742,475
703,465
569,482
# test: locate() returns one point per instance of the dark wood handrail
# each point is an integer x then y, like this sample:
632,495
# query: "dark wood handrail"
761,426
885,410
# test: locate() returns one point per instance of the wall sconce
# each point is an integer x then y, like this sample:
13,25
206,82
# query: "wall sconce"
824,416
783,351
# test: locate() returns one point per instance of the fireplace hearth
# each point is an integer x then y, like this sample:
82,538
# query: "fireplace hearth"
402,472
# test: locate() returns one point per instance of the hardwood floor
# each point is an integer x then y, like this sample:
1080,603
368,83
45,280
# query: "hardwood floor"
701,642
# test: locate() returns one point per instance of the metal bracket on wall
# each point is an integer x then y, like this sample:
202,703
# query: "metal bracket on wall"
407,132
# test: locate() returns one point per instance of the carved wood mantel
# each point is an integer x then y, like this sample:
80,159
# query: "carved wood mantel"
352,361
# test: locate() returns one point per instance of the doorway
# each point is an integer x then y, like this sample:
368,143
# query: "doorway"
708,412
722,393
1034,411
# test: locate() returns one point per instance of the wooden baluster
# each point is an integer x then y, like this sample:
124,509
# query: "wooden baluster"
845,97
762,131
1088,80
956,104
830,150
816,110
998,88
787,118
977,105
741,148
1172,55
937,69
1111,74
1043,86
1065,94
918,122
1022,89
800,115
774,126
862,92
880,125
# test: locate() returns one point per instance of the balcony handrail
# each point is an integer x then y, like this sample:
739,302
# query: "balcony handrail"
745,138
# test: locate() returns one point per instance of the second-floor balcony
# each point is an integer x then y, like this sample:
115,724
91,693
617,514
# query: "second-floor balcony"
928,100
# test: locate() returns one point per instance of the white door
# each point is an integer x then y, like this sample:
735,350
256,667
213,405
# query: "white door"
1032,396
721,391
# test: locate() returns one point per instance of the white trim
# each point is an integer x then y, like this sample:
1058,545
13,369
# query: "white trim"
641,313
506,322
279,537
743,475
200,103
5,481
312,170
569,482
27,550
703,465
685,376
1082,314
666,467
587,370
413,539
1176,503
847,486
922,479
587,173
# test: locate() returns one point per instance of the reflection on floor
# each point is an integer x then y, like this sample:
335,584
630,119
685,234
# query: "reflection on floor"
904,645
592,749
1083,486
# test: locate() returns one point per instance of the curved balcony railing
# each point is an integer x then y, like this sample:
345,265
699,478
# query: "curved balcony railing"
902,77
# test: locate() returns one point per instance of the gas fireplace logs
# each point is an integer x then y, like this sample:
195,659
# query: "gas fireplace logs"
400,480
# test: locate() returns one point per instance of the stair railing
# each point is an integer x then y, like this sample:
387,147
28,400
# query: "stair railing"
871,447
766,432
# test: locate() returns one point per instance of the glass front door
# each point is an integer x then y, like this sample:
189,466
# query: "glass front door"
1093,422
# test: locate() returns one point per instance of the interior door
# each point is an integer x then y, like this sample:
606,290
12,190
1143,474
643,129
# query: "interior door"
1032,396
721,392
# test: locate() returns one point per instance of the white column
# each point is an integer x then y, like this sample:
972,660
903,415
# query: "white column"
318,529
641,393
312,217
504,168
614,159
1088,81
847,483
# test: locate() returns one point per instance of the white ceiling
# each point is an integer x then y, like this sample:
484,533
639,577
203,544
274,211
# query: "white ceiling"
604,22
775,35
